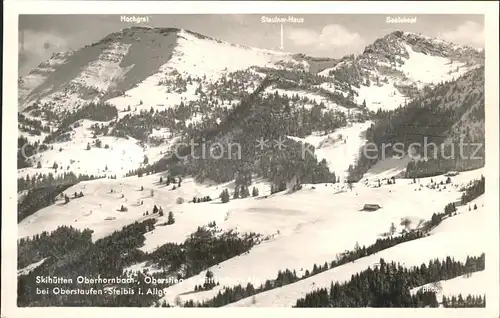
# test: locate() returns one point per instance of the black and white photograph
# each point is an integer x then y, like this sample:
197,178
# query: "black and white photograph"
333,160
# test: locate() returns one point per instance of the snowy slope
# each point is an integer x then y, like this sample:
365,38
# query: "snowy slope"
28,269
474,284
458,241
157,68
340,148
38,75
187,61
389,71
387,168
310,98
326,224
122,155
98,209
425,69
140,68
137,58
383,96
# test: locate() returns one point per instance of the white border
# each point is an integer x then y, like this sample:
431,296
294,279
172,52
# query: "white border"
248,7
9,129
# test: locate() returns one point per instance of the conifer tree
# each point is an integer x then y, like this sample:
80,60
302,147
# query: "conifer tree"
255,192
224,196
171,219
392,229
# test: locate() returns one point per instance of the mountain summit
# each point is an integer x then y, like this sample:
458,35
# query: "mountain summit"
170,156
157,85
132,57
142,58
399,43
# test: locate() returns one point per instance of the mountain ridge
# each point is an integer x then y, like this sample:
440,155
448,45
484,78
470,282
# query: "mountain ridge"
104,189
160,71
126,39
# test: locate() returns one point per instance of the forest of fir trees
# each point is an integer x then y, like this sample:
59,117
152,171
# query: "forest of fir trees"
69,251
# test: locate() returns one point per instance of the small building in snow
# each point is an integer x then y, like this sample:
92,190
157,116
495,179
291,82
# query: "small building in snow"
457,202
371,207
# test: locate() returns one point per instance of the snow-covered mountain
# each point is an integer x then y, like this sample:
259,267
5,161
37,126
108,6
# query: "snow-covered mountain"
134,61
391,70
138,68
100,190
142,69
295,235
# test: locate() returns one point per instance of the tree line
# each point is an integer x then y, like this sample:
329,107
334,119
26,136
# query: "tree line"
389,284
429,119
284,277
70,252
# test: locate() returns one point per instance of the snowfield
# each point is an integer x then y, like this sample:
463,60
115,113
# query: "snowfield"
388,168
318,230
341,148
383,96
39,74
475,284
417,70
236,57
102,73
99,208
138,69
187,61
122,156
458,241
426,69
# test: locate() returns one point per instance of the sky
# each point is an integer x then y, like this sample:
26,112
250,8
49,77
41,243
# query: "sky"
319,35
